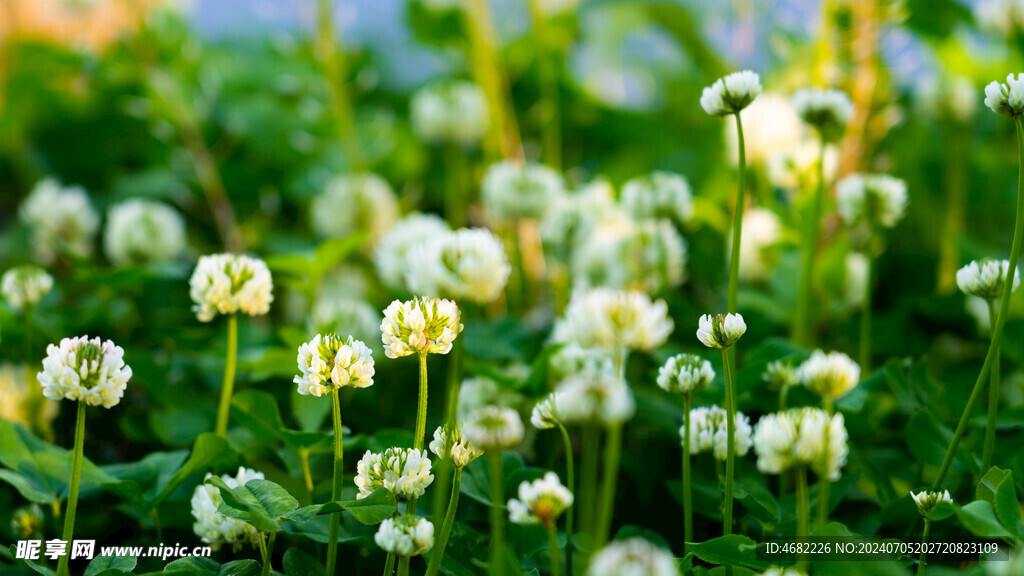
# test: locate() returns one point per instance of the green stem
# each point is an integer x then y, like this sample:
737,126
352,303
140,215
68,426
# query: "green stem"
588,476
446,529
865,319
570,477
612,455
443,469
421,410
824,482
993,401
547,60
339,479
803,506
808,251
997,330
687,494
403,565
554,550
497,557
306,474
76,476
268,552
730,430
737,222
28,333
454,203
783,396
389,564
229,377
924,541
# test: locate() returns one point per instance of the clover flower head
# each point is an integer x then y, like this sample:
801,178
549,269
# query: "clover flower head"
796,168
24,286
600,398
646,255
856,269
420,325
731,94
393,253
405,536
632,557
512,191
794,438
709,432
87,370
540,502
62,221
23,401
331,362
871,199
354,204
478,392
926,500
762,232
403,471
830,375
140,231
572,218
545,412
494,428
230,283
616,320
215,528
347,315
685,374
452,112
450,444
1006,98
572,359
721,330
659,195
986,278
780,374
467,264
27,521
828,110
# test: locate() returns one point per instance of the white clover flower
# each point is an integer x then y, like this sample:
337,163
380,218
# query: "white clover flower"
494,428
513,191
405,536
478,392
230,283
731,94
762,232
659,195
468,264
986,278
24,286
572,359
795,437
872,199
62,220
781,374
391,257
647,255
951,96
451,445
141,230
420,325
330,361
545,412
616,320
215,528
540,502
595,398
632,557
572,217
721,330
354,204
449,112
87,370
926,500
831,375
796,169
1005,18
856,279
685,374
345,316
23,401
1006,98
403,471
709,432
828,110
770,128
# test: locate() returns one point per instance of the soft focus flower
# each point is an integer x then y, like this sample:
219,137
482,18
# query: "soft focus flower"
709,432
762,232
330,361
88,370
952,96
403,471
354,204
540,502
871,199
27,521
685,374
624,254
632,557
478,392
856,280
451,445
215,528
999,565
143,231
730,94
796,170
831,375
343,315
600,398
392,255
230,283
659,195
23,401
795,437
780,374
927,500
828,110
468,264
24,286
62,220
420,325
770,128
573,217
773,571
572,359
405,535
615,320
545,412
1006,98
986,278
511,190
721,330
494,428
449,112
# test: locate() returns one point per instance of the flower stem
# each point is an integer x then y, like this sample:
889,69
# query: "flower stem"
454,203
554,550
339,478
306,474
229,377
421,410
27,317
76,476
803,505
994,389
687,494
389,564
808,250
588,476
446,529
612,455
443,468
865,320
737,222
730,427
497,558
268,552
403,565
570,477
824,482
503,138
997,329
924,541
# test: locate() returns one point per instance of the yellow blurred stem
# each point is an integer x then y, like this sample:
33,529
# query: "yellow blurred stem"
503,137
333,64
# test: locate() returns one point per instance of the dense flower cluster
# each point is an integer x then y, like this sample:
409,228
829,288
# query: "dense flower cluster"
393,255
62,220
215,528
659,195
601,398
330,361
354,204
143,231
467,264
420,325
731,94
87,370
721,330
450,444
685,374
1006,98
230,283
709,432
827,110
540,502
405,535
796,437
626,254
403,471
830,375
24,286
926,500
871,199
511,190
632,557
494,428
986,278
614,320
449,112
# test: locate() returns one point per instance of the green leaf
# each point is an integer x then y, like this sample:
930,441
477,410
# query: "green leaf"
928,441
210,452
101,563
979,518
301,563
259,502
195,565
941,511
373,509
40,471
755,497
240,568
1007,509
989,483
259,413
732,550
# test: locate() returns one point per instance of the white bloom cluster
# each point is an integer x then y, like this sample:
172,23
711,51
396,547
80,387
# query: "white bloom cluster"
230,283
24,286
449,112
88,370
346,315
467,264
573,217
831,375
478,392
1006,98
393,255
572,359
872,199
403,471
141,230
828,110
545,412
215,528
632,557
762,232
511,190
685,374
986,278
616,320
796,169
405,536
450,444
600,398
23,401
62,220
795,437
951,96
721,330
659,195
331,361
731,94
926,500
771,128
540,502
780,374
624,254
494,428
420,325
709,432
354,204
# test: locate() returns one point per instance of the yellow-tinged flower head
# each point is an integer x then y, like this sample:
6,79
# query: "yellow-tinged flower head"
87,370
831,375
450,444
420,325
230,283
27,522
780,374
330,361
721,330
540,502
685,374
24,286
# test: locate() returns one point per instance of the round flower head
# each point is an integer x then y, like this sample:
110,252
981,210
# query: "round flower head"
780,374
648,255
24,286
572,359
420,325
392,256
730,94
540,502
600,398
478,392
762,232
91,371
27,521
984,278
926,500
23,401
632,557
1006,98
615,320
346,315
545,413
831,375
62,220
685,374
871,199
143,231
827,110
403,471
659,195
230,283
215,528
405,536
494,428
451,445
330,361
354,204
449,112
709,432
511,190
721,330
795,437
573,217
468,264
